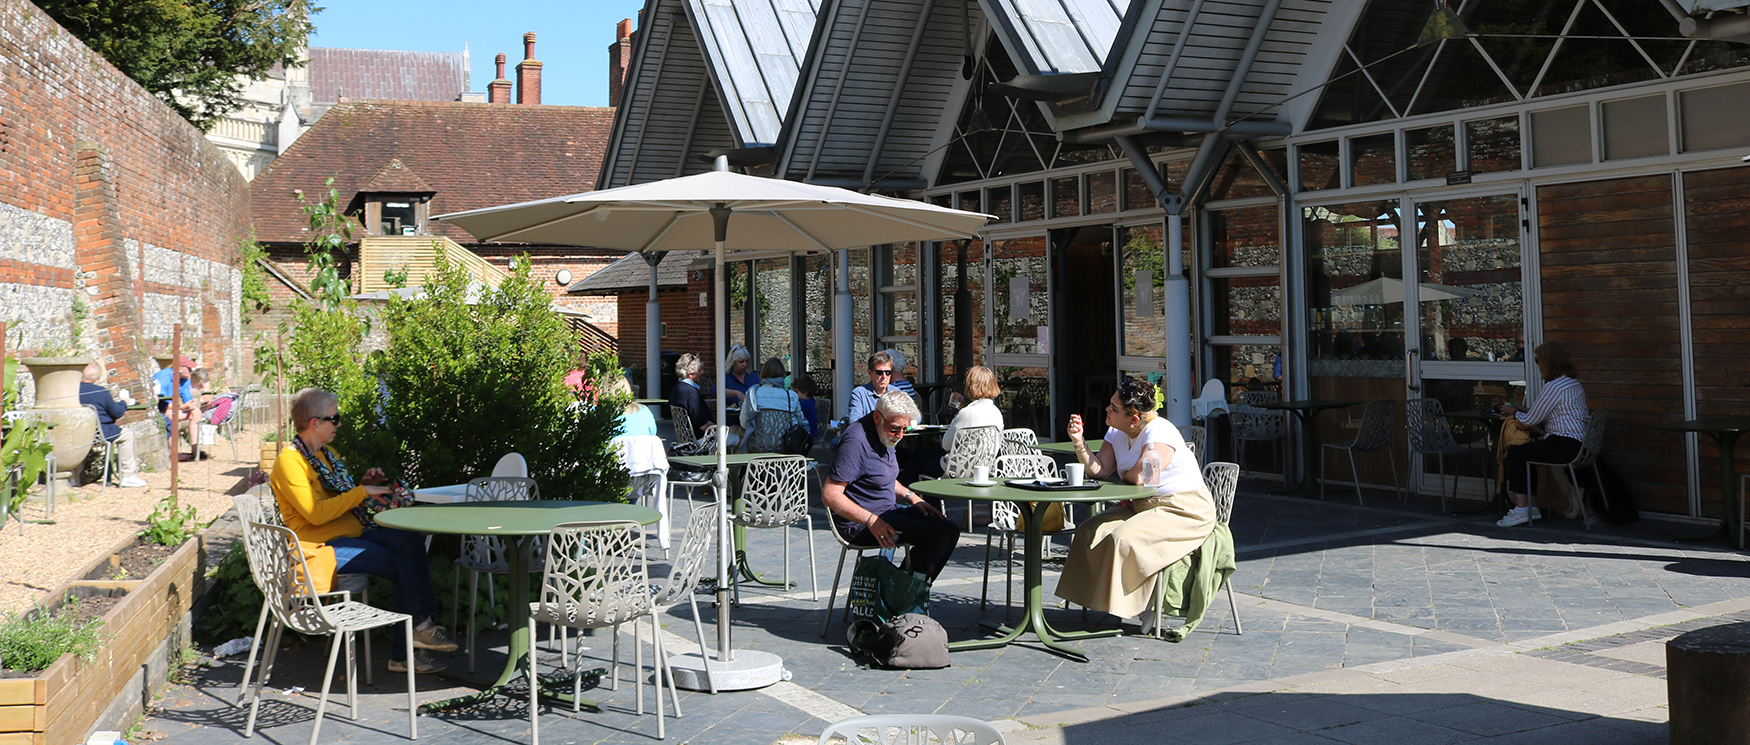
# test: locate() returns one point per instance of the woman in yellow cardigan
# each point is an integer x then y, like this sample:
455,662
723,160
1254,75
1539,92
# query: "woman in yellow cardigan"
316,496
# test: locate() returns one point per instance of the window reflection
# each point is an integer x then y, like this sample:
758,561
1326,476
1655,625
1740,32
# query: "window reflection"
1018,301
1142,303
1355,289
772,293
1469,284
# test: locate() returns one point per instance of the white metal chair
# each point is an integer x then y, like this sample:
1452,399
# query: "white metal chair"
683,575
767,434
233,418
911,729
482,554
1018,441
108,447
1005,518
265,509
1375,433
685,442
1223,479
774,494
1198,438
597,577
277,564
1590,448
1431,434
512,465
1252,424
845,548
971,447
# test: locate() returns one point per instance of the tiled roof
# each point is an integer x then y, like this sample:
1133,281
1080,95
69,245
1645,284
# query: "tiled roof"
630,274
384,74
396,177
472,155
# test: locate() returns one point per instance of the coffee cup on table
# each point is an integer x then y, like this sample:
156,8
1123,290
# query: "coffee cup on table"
1073,473
980,474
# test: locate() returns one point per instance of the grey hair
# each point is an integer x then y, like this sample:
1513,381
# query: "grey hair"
898,360
687,364
310,403
896,403
878,358
737,353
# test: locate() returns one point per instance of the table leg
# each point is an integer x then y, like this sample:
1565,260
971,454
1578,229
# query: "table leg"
1307,454
1728,442
1033,616
518,656
1496,501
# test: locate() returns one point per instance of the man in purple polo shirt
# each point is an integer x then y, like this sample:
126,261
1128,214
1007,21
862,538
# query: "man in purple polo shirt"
864,493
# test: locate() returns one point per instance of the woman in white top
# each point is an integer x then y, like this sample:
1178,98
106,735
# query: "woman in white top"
1116,555
1561,411
982,388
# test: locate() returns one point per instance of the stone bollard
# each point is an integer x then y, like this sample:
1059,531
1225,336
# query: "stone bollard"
1708,685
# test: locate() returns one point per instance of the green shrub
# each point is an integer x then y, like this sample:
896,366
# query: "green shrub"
168,526
238,604
34,641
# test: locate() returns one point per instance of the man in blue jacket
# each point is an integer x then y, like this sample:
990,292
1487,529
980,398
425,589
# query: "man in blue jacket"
108,411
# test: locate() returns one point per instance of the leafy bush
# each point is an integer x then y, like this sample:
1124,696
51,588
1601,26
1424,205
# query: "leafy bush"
168,526
32,642
24,453
468,373
238,604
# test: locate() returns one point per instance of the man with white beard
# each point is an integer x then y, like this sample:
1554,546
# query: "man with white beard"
865,496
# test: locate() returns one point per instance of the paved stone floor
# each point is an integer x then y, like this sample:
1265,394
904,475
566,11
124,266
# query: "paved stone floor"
1361,624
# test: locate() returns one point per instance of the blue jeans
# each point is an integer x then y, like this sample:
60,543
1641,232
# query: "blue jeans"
398,556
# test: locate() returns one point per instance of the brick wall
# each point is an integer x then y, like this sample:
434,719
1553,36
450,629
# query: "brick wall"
113,209
603,311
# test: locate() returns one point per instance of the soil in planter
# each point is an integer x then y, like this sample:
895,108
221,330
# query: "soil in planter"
139,559
93,606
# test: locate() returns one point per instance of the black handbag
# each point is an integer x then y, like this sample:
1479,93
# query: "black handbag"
797,441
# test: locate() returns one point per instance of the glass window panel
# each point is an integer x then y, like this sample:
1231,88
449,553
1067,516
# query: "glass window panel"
1032,200
1000,201
969,201
817,319
1236,178
1350,98
1247,237
1136,193
1458,77
861,329
962,305
1018,295
1713,118
1635,128
772,293
1431,152
1492,145
1373,159
943,200
1355,288
1246,306
1319,163
735,279
1066,197
1102,192
1585,63
1277,159
1239,363
1469,284
900,311
1142,305
1026,397
1561,137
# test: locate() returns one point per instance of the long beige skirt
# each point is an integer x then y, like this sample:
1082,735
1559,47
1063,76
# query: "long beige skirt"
1116,554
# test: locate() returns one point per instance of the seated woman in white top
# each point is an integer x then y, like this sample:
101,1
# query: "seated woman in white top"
1115,556
1561,411
929,461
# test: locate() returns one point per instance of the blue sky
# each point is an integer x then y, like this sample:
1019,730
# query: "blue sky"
572,36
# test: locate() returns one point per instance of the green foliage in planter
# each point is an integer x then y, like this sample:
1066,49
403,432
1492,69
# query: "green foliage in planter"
34,641
238,604
168,526
469,373
25,450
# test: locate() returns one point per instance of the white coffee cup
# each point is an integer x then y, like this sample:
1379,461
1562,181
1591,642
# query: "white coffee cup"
980,474
1073,473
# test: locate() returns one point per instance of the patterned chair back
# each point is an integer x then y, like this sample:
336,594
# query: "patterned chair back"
596,576
1005,515
1198,438
1222,479
774,492
483,553
972,447
768,431
688,565
1593,445
1430,431
277,564
1253,423
1253,398
1376,426
1019,441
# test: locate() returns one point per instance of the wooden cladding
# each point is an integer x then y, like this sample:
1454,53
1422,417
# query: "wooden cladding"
417,256
1716,210
1610,295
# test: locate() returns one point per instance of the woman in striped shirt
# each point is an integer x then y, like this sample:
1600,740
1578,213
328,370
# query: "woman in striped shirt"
1561,411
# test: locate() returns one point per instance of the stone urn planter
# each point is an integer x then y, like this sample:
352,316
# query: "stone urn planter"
163,360
57,402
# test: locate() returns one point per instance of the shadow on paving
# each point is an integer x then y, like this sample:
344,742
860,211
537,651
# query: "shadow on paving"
1419,718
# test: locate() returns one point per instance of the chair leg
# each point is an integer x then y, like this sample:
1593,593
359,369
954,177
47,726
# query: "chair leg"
534,692
1322,461
455,590
412,687
832,597
1530,494
328,680
786,558
1233,607
638,666
614,667
1580,496
705,652
352,685
1009,574
656,667
1392,458
813,570
260,682
665,671
1355,470
248,666
473,612
365,597
984,591
1160,601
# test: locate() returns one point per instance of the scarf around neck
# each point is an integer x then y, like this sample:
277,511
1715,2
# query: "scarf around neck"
335,478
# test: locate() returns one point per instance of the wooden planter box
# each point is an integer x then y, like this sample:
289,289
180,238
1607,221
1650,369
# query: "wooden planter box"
143,638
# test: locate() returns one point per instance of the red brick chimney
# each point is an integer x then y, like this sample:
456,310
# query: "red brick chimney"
619,58
528,74
498,91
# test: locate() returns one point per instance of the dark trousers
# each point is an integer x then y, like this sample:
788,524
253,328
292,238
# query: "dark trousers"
932,538
1552,449
397,556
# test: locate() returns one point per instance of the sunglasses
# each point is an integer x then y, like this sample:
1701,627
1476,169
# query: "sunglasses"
883,373
334,419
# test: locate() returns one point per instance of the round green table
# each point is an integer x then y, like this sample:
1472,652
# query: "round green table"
1032,505
515,522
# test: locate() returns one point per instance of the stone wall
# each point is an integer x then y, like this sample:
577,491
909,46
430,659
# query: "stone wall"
117,218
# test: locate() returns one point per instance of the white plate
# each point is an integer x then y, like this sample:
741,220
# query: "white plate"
979,483
1050,481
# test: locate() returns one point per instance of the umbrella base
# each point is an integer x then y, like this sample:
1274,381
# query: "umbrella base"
747,671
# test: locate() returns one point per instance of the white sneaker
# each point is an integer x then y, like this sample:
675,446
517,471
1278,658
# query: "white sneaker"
132,482
1536,514
1514,517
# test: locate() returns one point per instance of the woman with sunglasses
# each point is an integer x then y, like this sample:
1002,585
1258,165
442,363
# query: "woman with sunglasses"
1115,556
316,495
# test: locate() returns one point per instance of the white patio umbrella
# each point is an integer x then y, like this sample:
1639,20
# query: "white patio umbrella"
1387,290
690,213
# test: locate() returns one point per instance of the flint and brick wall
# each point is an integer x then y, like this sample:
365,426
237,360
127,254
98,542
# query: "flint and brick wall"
116,215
